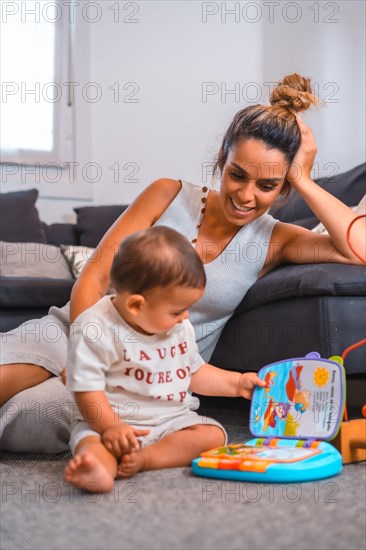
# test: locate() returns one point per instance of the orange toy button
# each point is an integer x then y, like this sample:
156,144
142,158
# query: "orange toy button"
229,464
255,466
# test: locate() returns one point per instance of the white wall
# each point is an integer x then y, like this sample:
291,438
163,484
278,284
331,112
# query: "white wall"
168,54
328,45
172,129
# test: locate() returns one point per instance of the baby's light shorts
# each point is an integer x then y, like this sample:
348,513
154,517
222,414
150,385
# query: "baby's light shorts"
80,429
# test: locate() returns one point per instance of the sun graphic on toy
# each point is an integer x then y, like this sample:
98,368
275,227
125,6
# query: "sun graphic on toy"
321,377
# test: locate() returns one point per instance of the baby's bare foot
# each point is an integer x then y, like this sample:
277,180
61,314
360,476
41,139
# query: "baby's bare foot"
130,464
86,472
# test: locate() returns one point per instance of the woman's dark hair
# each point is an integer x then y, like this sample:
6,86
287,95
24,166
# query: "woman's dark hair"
156,257
274,124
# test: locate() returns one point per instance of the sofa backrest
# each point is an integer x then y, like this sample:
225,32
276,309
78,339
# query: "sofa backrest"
61,233
91,224
20,222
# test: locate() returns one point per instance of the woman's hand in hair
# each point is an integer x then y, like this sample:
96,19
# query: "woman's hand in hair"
303,161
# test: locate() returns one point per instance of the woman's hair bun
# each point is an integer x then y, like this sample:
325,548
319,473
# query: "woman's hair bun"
293,93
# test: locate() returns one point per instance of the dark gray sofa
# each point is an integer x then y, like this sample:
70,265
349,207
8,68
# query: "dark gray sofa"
291,311
23,298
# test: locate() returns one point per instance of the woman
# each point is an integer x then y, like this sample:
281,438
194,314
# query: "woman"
266,152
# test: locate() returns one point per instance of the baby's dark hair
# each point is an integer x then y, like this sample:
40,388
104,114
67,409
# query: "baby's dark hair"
274,124
156,257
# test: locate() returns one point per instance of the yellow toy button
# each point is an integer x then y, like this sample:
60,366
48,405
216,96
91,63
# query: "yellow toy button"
208,463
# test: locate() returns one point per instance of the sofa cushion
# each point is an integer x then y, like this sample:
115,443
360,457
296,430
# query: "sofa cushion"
19,220
349,187
294,281
93,222
32,292
33,260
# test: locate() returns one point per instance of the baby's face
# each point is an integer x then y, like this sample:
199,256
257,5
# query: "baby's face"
165,307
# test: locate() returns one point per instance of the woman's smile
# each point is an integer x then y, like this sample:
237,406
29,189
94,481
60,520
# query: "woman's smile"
240,209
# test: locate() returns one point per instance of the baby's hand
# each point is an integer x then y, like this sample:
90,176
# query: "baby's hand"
122,438
247,382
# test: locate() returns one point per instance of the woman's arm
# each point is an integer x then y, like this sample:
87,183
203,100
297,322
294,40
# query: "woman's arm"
210,380
93,282
291,243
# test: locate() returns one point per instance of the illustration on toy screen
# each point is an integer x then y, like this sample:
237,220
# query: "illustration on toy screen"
303,398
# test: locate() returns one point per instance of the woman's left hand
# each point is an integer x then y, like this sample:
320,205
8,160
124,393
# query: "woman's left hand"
303,161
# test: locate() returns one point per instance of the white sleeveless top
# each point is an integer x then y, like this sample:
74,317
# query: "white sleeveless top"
230,275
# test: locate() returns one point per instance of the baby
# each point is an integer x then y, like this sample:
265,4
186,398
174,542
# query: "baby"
133,363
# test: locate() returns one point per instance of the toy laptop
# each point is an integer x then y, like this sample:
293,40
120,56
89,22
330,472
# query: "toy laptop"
300,408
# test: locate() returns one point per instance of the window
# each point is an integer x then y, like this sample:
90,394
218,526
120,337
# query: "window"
36,110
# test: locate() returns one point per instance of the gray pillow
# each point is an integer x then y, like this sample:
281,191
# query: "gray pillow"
94,221
76,256
19,219
33,260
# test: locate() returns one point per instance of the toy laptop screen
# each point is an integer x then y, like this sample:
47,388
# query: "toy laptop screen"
303,398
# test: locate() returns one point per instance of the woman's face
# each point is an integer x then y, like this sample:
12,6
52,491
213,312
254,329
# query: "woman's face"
252,178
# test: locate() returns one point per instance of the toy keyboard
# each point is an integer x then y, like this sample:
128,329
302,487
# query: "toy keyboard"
301,406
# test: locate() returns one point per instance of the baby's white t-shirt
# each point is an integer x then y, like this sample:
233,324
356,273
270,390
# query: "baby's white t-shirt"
146,378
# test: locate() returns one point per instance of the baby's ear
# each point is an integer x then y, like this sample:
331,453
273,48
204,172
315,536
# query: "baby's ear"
135,303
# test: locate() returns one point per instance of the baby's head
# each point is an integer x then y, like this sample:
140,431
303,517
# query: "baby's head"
157,276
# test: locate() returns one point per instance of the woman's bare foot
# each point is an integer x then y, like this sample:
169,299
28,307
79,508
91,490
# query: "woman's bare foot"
131,463
86,472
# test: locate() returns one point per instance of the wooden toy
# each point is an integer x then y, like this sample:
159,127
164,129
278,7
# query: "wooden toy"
351,440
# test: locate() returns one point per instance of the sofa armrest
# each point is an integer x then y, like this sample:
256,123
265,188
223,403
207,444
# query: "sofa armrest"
296,281
294,310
